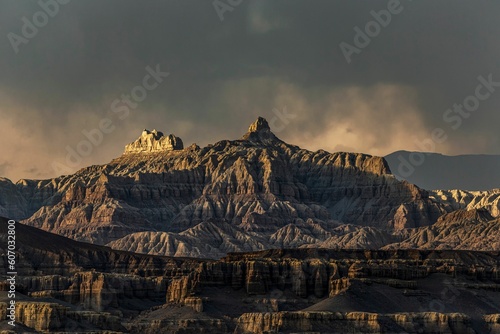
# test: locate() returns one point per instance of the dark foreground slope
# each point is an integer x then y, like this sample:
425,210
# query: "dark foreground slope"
68,286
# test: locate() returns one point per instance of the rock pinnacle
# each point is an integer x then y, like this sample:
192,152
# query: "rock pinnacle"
259,131
259,125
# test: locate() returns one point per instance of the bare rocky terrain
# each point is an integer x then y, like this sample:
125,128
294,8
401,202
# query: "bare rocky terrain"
250,194
68,286
249,236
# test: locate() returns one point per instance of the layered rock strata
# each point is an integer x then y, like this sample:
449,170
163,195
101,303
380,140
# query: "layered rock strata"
69,286
154,141
257,184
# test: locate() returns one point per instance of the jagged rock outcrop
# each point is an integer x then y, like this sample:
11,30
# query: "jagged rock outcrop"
154,141
338,285
41,316
250,194
326,273
259,131
206,240
358,322
196,303
493,321
69,286
53,317
469,200
258,185
461,229
359,238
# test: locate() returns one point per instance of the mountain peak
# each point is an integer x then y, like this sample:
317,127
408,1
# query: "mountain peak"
154,141
259,131
259,125
156,134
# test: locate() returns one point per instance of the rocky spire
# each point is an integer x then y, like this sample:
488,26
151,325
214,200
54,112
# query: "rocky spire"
260,131
154,141
259,125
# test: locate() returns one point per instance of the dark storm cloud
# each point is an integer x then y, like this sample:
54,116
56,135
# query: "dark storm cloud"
264,55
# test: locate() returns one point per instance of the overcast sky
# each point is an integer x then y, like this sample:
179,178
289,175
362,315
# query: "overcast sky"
264,56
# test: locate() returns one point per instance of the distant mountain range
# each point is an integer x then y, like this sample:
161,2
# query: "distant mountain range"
249,194
437,171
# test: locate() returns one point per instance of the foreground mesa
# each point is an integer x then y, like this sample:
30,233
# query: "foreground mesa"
68,286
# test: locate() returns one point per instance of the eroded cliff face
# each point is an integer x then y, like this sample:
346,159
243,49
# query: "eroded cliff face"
250,194
461,229
255,188
357,322
493,321
53,317
469,200
69,286
154,141
95,290
318,291
322,273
